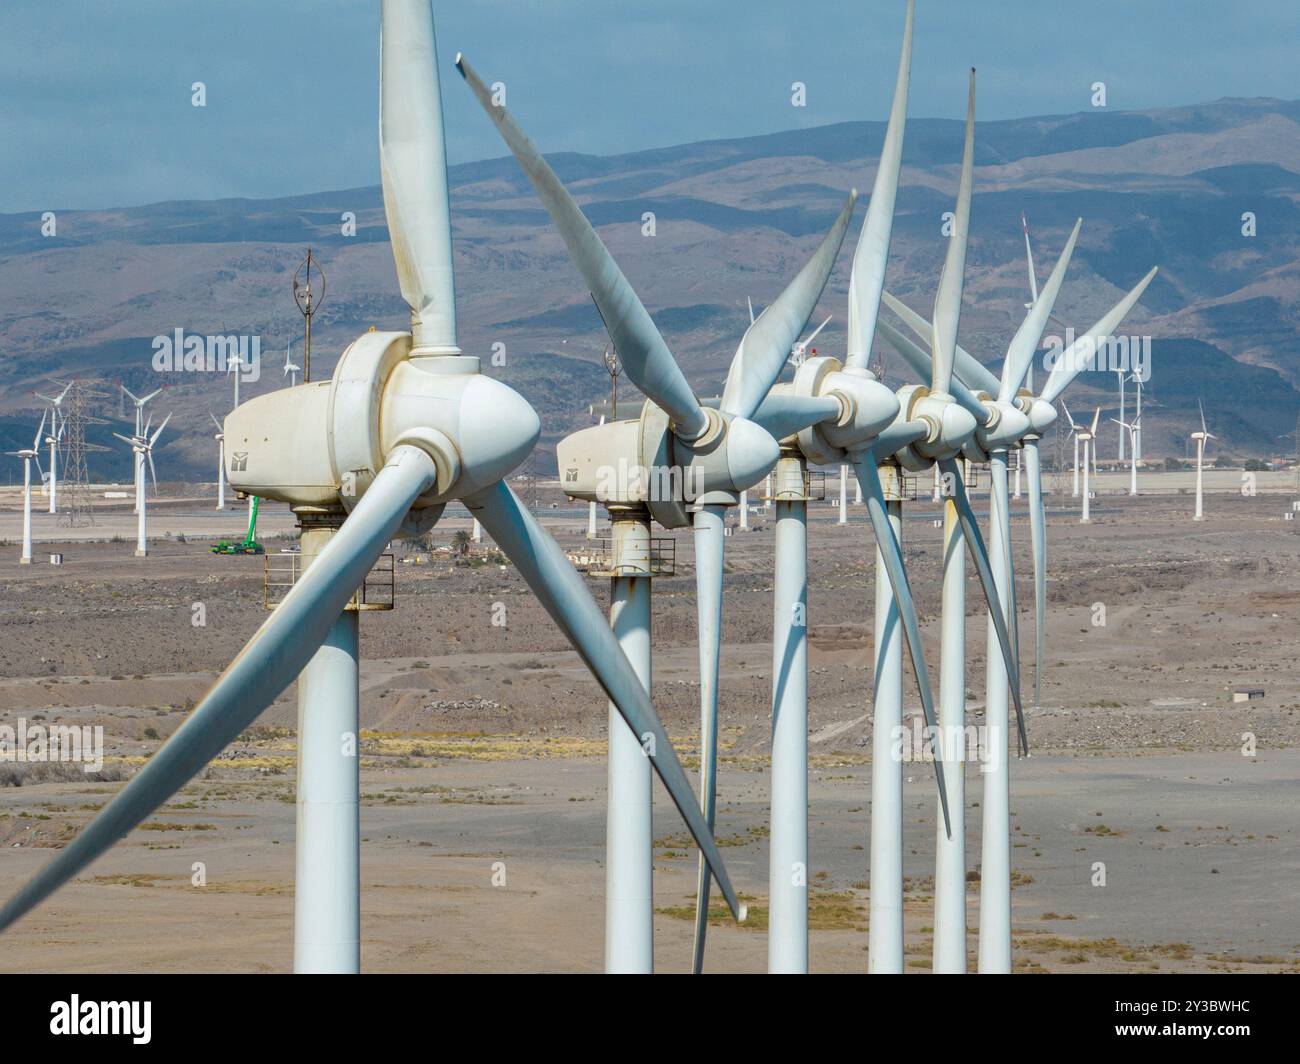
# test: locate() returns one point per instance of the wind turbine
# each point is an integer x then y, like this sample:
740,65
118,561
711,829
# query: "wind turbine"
717,453
447,432
29,455
139,430
55,435
799,349
1074,432
1201,439
220,437
1089,437
142,444
1132,429
290,369
832,412
1016,416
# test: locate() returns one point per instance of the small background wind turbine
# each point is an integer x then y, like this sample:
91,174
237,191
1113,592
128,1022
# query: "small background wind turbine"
142,445
291,369
54,438
1131,427
1088,437
1201,438
29,455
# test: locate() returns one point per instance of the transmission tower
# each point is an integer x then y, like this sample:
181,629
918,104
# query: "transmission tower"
78,510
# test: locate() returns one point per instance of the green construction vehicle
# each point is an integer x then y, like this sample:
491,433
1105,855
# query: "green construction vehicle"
247,545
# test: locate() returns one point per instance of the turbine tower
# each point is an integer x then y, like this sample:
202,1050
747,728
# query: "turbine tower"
355,481
220,437
29,455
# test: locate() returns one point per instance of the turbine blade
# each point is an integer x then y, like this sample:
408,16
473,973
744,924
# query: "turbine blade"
1020,352
1029,258
947,303
265,667
870,258
708,595
40,432
1095,418
220,427
765,347
645,357
1038,537
785,415
1201,408
873,493
152,472
561,591
750,302
1080,353
813,335
966,367
154,438
413,169
980,556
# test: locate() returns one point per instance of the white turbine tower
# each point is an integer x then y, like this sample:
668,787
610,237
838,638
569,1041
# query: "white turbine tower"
53,438
356,480
718,452
220,437
232,367
1131,427
142,444
29,455
1201,438
291,370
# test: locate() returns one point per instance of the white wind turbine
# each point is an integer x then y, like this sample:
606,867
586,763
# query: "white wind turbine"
139,402
356,480
1016,417
291,370
1131,427
1201,438
1074,433
220,437
29,455
718,453
1089,439
831,412
142,445
799,349
53,438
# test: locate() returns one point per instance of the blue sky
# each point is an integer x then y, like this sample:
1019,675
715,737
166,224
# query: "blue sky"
97,106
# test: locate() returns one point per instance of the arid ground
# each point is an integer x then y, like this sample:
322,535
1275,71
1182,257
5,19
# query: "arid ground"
483,744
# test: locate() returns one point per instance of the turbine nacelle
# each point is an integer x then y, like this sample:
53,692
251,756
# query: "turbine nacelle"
866,408
642,463
948,426
1006,426
1042,415
322,444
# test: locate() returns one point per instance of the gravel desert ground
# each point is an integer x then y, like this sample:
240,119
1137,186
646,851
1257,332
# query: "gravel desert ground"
483,748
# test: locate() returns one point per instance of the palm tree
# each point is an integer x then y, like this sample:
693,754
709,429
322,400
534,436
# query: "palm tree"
461,542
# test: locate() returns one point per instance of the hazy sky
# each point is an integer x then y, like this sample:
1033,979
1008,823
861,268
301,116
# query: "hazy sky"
96,95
